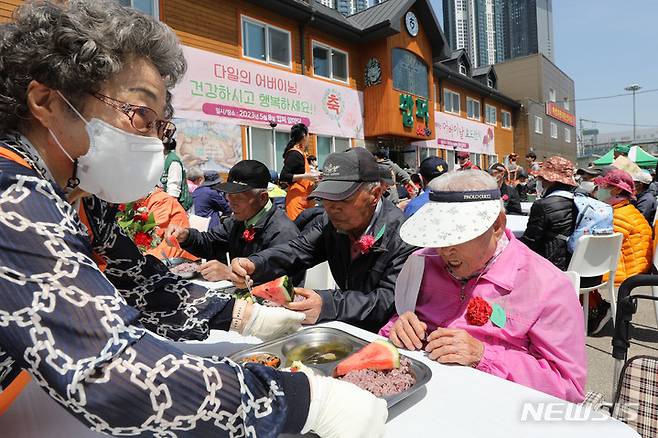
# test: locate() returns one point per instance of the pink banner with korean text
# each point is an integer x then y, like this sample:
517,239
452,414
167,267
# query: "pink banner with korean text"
220,87
456,133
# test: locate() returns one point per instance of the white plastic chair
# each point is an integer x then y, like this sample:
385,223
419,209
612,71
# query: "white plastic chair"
597,255
319,277
199,223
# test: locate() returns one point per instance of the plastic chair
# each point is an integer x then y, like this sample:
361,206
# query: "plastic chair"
635,381
199,223
597,255
319,277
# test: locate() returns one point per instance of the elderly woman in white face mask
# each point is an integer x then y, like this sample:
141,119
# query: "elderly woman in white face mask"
476,296
84,108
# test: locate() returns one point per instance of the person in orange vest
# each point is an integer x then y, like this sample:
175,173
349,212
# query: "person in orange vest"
297,172
167,211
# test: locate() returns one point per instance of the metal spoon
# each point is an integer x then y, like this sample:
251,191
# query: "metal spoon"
316,357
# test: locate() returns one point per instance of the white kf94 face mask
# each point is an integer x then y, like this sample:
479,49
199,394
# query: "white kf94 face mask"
119,167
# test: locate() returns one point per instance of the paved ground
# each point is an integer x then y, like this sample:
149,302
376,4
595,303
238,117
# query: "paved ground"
599,348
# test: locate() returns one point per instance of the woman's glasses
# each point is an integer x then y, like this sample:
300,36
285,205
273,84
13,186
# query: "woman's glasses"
142,118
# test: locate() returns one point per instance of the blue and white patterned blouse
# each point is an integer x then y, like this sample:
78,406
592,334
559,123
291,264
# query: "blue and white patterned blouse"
80,332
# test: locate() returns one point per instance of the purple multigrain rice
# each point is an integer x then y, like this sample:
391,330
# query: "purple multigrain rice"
383,383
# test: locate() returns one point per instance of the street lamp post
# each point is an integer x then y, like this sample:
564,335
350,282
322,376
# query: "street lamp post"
633,88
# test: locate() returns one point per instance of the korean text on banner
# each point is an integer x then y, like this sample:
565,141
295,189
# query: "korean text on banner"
217,86
456,133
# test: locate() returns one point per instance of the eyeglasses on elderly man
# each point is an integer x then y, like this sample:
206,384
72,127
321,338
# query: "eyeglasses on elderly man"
476,296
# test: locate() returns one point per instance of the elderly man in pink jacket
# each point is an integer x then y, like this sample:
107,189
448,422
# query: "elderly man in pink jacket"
476,296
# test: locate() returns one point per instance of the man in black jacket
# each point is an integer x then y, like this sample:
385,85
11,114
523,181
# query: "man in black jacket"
357,235
254,226
645,200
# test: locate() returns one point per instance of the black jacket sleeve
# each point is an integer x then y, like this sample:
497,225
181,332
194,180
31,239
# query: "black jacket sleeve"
536,230
293,164
301,253
513,204
369,309
212,244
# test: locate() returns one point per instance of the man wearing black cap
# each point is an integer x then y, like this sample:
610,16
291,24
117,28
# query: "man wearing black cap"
430,168
208,201
357,235
254,226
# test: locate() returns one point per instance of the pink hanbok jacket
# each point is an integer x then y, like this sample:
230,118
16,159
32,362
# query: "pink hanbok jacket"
542,344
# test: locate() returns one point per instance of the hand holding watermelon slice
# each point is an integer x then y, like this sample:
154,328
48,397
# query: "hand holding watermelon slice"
279,291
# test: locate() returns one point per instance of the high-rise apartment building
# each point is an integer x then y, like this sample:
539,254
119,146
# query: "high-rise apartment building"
529,25
493,31
347,7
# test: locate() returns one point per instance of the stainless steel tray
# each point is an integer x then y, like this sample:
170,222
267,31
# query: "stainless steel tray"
320,335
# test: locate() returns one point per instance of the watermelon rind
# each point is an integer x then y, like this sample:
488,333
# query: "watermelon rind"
369,357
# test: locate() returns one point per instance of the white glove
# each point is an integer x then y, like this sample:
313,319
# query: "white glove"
342,410
272,322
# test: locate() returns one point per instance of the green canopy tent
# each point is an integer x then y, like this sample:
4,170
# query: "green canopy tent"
637,155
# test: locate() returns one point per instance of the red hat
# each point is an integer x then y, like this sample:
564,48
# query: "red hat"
617,178
463,154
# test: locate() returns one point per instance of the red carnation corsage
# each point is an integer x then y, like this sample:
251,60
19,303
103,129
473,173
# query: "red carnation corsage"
249,234
505,198
478,311
365,243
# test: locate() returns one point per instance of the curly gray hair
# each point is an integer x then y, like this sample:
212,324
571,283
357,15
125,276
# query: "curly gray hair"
74,46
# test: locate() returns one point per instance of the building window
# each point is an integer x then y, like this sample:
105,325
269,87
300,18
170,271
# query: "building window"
490,82
553,130
472,108
451,102
329,62
566,104
266,43
539,125
463,70
506,119
490,114
149,7
567,135
267,146
410,73
425,153
329,145
551,95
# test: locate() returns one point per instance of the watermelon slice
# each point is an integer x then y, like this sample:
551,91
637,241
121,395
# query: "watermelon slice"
378,355
279,291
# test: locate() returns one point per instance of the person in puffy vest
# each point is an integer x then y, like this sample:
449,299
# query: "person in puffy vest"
617,189
553,215
173,179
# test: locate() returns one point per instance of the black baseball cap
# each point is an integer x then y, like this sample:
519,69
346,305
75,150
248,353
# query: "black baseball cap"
431,167
344,172
246,175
